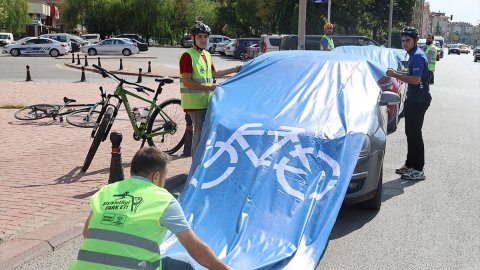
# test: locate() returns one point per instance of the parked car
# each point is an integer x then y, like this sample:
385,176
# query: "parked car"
464,49
92,38
454,48
476,54
77,43
40,46
269,43
312,42
220,48
230,48
6,38
142,46
111,46
213,40
241,46
61,37
130,36
186,41
252,51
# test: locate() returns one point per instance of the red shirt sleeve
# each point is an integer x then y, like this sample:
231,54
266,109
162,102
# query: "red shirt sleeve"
186,64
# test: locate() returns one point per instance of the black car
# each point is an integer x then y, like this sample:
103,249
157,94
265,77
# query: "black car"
312,42
136,39
241,46
455,48
142,46
476,54
186,41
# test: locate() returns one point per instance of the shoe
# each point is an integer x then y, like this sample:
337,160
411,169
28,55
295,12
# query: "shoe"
414,175
402,170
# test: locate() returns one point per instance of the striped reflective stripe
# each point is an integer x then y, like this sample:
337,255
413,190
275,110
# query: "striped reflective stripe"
116,261
202,80
124,238
184,90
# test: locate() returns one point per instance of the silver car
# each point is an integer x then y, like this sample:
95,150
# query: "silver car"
111,46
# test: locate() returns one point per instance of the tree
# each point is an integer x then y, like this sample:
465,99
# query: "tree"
14,15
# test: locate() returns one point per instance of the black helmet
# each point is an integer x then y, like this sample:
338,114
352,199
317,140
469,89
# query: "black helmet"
200,27
409,31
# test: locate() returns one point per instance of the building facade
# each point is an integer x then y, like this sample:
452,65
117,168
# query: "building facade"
45,16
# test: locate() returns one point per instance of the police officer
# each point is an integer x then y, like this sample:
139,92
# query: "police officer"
196,84
129,218
431,52
326,42
417,102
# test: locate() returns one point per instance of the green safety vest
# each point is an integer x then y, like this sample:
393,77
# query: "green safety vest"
202,73
331,46
124,230
432,61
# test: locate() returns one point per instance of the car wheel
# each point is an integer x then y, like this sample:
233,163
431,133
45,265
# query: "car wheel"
448,52
376,202
54,53
126,52
92,52
15,52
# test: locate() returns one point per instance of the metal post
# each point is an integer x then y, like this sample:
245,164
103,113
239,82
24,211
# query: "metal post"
78,59
73,58
121,64
29,78
99,64
82,78
149,67
139,80
116,167
302,13
86,61
390,22
329,9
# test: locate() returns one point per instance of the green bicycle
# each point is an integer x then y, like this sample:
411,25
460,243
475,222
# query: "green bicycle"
162,126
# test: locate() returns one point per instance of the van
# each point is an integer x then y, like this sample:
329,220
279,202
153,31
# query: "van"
213,40
312,42
269,43
5,39
92,38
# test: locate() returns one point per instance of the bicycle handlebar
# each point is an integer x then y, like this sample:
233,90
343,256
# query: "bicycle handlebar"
104,71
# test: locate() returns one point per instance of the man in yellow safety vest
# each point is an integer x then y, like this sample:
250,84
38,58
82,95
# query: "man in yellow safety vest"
431,52
326,42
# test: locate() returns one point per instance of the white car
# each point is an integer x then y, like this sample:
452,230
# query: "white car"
93,38
220,48
230,48
34,45
111,46
213,40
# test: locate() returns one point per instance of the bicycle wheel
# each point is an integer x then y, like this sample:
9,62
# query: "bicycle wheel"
83,119
97,139
34,112
173,138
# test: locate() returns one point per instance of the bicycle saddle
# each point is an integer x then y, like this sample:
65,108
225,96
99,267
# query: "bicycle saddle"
68,100
166,80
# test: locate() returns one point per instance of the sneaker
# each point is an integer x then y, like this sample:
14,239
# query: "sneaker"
414,175
402,170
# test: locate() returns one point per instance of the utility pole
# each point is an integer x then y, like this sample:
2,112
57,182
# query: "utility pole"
390,22
302,14
329,9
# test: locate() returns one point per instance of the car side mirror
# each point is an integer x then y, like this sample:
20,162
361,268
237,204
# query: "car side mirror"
389,98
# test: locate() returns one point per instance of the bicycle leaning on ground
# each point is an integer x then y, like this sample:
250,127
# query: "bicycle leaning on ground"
80,115
162,126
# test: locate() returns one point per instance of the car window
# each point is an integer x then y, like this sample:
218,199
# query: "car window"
43,41
32,41
214,40
118,42
107,42
365,42
275,41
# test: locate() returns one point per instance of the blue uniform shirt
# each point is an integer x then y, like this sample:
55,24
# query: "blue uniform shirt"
418,66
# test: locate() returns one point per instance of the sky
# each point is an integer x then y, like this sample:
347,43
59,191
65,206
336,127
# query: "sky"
462,10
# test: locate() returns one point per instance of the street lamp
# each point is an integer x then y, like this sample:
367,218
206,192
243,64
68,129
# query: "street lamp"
390,22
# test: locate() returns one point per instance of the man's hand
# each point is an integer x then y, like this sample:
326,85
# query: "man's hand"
391,73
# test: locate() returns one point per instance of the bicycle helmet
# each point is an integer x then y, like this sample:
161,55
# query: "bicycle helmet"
409,31
328,26
200,27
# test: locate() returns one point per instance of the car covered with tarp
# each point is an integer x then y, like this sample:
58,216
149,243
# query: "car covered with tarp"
278,149
388,58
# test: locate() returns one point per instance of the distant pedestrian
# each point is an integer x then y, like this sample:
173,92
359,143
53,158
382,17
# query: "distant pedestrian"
196,84
129,219
431,51
417,102
326,43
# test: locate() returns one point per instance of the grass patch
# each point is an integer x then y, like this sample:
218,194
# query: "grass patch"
11,106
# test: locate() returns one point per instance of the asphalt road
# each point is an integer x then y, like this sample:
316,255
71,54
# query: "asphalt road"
433,224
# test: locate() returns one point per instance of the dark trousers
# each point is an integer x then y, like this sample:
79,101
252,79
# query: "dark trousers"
172,264
432,77
414,115
198,117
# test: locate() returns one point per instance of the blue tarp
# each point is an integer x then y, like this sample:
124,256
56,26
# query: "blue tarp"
388,57
278,149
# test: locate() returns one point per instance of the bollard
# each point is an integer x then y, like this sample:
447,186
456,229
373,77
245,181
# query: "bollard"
78,59
73,58
99,64
121,64
29,78
149,67
83,79
139,80
86,61
116,167
187,137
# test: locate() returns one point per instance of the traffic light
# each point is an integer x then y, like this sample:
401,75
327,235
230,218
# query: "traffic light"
451,17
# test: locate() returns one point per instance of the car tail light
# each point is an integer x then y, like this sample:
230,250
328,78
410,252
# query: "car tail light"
64,45
264,46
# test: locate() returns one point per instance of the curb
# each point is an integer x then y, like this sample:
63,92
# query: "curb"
108,57
43,240
118,72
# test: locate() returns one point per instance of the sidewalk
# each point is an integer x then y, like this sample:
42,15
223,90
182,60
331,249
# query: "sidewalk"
43,194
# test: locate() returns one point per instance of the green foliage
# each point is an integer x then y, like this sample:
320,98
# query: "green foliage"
14,15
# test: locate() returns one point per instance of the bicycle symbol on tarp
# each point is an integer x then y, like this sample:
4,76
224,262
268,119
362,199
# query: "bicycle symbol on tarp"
286,135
